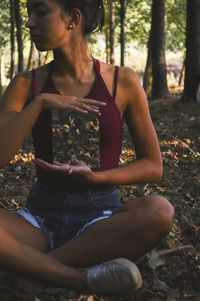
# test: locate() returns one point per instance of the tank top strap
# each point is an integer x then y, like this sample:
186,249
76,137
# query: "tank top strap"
97,65
35,87
33,83
115,79
32,87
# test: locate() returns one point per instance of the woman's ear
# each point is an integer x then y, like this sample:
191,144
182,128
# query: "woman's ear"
75,17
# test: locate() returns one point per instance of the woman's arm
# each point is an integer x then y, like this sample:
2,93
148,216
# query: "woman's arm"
16,121
148,166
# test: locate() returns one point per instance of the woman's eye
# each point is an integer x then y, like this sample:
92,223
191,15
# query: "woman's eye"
41,12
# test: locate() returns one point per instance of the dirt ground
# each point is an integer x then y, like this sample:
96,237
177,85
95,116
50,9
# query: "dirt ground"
172,271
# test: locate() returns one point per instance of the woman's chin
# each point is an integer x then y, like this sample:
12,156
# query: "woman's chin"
42,47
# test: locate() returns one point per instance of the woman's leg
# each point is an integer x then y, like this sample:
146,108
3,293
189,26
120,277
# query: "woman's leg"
22,230
131,232
135,229
22,248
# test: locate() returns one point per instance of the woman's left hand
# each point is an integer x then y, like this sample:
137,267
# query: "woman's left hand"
79,171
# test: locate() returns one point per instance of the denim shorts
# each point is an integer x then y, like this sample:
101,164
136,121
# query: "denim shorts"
64,213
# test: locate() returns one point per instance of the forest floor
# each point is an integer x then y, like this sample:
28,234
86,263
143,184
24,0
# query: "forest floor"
172,271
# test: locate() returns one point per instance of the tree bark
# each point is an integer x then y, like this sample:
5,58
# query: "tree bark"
39,58
46,57
147,80
112,32
107,44
1,87
19,36
12,39
182,74
31,56
122,29
2,71
159,70
192,64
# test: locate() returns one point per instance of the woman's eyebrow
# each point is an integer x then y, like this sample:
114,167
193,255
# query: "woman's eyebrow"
36,3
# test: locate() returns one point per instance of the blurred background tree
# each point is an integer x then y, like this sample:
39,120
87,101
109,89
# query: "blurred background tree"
140,34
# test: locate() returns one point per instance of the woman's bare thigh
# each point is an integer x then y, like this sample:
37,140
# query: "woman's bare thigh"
22,230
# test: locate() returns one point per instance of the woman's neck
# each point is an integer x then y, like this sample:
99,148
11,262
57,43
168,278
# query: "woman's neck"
71,61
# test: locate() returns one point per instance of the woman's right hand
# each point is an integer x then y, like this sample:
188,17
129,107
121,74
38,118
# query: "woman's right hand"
70,103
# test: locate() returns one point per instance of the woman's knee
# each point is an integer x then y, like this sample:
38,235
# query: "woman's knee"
161,213
153,211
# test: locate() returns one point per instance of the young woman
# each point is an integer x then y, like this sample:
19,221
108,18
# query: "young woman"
73,230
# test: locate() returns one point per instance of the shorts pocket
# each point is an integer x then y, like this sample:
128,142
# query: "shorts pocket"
106,200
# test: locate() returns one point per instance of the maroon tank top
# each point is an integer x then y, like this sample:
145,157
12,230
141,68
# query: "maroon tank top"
109,126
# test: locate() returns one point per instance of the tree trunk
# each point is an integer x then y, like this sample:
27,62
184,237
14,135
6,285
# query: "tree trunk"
147,80
46,57
19,35
31,56
182,74
12,39
1,87
2,71
122,30
112,32
39,58
107,45
159,70
192,64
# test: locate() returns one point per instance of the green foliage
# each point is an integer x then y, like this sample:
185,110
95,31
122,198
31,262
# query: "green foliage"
137,24
25,31
138,21
175,24
5,21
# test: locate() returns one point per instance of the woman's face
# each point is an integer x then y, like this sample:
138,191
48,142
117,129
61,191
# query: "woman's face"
47,24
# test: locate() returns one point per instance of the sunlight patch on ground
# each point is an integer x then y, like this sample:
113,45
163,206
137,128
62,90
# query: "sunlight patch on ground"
22,156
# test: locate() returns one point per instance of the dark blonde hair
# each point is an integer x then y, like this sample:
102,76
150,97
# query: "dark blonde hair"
92,10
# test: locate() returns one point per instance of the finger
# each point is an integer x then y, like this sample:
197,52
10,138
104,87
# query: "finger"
44,164
76,161
87,107
78,169
40,162
76,108
90,101
84,108
57,163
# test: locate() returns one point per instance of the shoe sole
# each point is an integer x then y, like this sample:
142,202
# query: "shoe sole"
98,283
133,269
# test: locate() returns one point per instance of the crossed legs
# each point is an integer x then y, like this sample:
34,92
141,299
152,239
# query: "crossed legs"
135,228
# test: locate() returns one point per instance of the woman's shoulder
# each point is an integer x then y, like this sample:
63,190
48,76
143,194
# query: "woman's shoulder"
126,74
19,88
28,74
128,77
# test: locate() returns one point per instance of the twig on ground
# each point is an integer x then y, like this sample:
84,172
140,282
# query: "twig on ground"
2,205
185,144
174,250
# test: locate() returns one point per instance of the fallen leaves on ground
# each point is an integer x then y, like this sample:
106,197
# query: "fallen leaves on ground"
173,276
